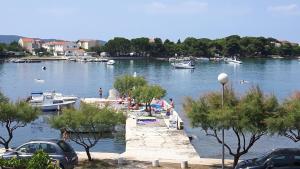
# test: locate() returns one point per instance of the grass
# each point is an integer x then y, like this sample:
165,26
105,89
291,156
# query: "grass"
112,164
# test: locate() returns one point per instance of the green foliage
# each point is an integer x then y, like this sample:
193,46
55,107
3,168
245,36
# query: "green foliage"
14,163
145,94
42,52
14,116
38,161
125,84
229,46
41,160
118,46
14,46
88,119
244,115
3,99
285,122
98,49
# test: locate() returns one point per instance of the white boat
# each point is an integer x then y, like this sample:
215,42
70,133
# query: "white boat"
233,60
39,96
51,101
184,65
18,61
39,80
172,59
277,57
203,59
110,62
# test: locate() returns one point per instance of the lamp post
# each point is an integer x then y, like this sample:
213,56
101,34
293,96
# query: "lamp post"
223,79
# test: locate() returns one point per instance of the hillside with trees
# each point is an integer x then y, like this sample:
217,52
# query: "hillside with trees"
229,46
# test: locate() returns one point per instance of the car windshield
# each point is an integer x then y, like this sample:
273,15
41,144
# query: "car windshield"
65,147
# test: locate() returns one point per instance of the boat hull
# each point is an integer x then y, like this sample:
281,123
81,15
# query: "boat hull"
53,107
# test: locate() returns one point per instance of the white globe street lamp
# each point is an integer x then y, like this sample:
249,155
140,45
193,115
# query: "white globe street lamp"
223,79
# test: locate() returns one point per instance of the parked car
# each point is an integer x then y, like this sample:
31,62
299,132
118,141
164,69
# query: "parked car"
283,158
57,150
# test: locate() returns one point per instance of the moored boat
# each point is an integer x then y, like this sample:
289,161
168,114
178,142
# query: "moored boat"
50,101
184,65
233,60
110,62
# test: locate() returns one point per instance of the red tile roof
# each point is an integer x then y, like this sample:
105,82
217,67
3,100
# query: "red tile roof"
27,40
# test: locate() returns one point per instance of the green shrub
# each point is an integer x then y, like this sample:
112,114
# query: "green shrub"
40,160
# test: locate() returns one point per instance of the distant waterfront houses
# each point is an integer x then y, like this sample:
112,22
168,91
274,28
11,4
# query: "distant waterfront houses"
88,43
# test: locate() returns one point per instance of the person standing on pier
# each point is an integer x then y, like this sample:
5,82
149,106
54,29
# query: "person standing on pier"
100,92
172,103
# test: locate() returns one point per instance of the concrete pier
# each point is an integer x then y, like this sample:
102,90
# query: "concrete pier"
147,143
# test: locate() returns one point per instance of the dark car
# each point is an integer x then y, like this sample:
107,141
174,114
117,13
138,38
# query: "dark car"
283,158
57,150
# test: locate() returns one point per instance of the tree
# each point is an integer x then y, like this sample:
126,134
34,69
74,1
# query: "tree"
141,46
157,48
94,122
118,46
244,116
14,116
145,94
286,121
14,46
125,84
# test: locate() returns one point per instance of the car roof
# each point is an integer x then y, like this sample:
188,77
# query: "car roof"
286,150
46,140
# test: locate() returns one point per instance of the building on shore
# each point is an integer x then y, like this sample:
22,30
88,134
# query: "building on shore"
88,43
55,47
30,44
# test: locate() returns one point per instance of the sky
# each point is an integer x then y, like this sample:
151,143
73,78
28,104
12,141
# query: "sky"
167,19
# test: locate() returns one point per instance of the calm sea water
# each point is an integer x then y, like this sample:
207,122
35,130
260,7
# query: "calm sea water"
280,77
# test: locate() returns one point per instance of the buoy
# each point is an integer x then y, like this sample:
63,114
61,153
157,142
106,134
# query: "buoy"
44,68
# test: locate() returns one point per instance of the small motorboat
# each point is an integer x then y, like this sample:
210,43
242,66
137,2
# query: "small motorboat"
39,80
51,101
19,61
233,60
184,65
110,62
39,96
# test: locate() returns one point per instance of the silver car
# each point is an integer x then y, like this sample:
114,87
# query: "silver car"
56,149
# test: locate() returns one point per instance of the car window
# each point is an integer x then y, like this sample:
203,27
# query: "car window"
297,160
281,161
29,148
65,147
48,148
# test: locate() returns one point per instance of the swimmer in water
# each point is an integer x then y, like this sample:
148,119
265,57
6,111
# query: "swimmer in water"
243,81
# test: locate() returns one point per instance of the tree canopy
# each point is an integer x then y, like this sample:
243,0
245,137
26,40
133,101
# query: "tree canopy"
244,116
233,45
125,84
285,121
146,93
14,116
88,124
